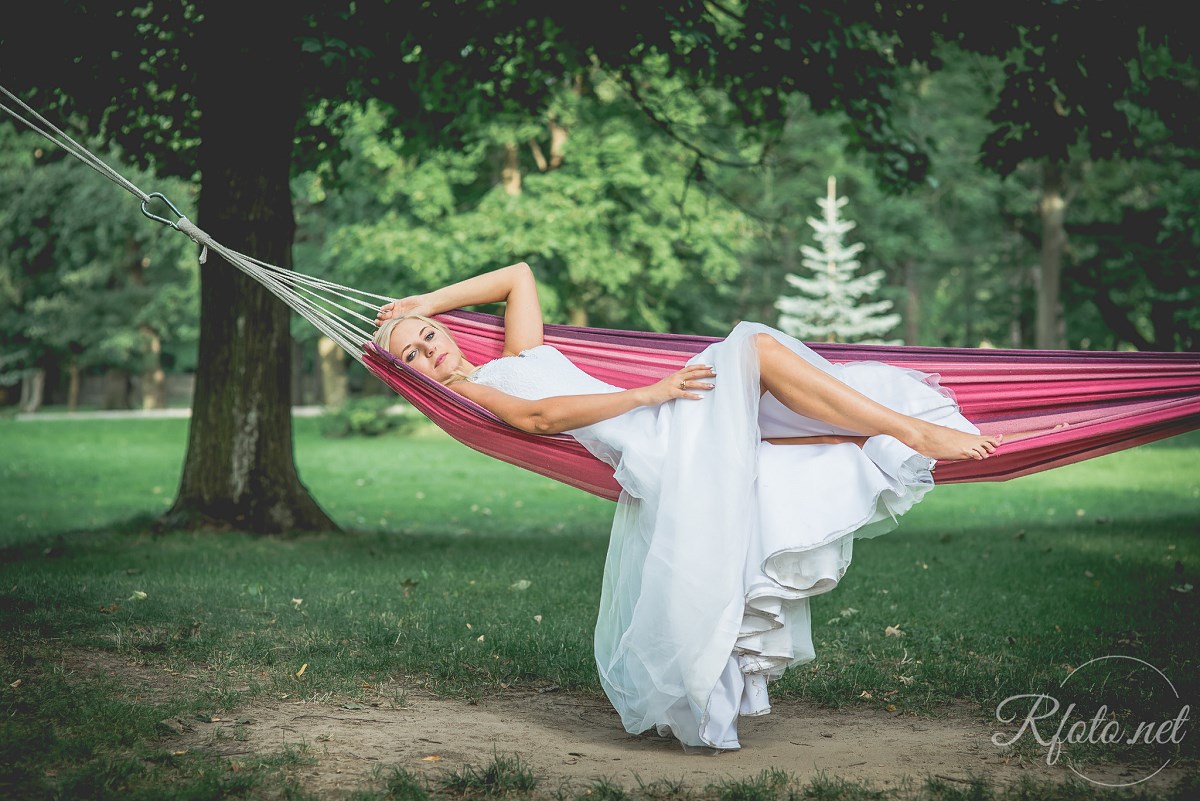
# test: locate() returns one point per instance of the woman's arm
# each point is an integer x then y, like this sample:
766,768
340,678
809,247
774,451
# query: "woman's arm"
513,285
566,412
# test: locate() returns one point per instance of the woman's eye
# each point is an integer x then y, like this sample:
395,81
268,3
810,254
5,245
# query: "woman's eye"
410,356
429,336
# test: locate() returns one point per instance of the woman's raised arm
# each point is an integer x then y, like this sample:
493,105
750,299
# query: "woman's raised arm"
513,285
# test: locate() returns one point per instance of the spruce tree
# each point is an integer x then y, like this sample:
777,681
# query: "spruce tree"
833,305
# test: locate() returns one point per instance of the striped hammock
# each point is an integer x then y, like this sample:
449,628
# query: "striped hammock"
1110,400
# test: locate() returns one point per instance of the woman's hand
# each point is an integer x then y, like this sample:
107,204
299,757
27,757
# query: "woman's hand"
413,304
681,384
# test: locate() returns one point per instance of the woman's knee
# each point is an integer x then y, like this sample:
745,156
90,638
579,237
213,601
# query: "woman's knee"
765,344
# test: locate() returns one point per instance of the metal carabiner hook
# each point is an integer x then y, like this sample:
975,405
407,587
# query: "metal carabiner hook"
155,217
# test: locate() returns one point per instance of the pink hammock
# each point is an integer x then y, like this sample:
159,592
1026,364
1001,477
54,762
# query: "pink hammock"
1110,400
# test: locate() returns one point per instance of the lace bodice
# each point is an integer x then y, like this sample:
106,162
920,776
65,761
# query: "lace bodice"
632,443
540,372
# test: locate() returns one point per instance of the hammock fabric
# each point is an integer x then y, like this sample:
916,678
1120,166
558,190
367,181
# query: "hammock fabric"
1110,400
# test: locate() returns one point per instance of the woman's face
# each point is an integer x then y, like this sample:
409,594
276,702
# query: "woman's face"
426,349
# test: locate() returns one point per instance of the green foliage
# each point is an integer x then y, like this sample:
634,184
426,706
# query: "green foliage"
84,279
602,213
368,416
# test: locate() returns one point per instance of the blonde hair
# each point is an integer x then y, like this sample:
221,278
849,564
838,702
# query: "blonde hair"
383,338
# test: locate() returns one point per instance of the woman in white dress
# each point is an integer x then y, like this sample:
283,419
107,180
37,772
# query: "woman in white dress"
739,503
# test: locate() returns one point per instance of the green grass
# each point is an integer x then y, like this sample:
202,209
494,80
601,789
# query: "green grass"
999,589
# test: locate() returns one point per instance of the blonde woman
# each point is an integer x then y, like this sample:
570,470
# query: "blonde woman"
746,477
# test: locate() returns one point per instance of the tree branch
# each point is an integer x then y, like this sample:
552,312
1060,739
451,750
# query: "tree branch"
666,127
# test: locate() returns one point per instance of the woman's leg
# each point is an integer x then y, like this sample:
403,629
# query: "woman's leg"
812,392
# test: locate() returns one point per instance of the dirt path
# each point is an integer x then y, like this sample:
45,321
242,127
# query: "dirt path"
564,737
567,737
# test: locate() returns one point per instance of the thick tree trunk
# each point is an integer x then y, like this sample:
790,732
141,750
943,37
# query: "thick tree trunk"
1052,208
239,471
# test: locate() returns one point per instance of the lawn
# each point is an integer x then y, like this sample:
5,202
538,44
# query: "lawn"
469,574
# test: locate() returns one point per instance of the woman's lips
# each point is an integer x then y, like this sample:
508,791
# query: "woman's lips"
440,359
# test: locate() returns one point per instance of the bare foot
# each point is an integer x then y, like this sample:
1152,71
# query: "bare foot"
944,443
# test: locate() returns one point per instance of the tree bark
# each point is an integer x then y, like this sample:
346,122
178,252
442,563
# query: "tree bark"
33,387
1052,209
239,471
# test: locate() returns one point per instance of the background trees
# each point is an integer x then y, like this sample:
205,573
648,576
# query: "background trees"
650,160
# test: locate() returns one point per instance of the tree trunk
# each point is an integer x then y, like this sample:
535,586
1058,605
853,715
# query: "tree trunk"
558,144
33,388
1015,283
333,372
154,380
1050,330
297,391
116,389
239,471
74,382
510,174
912,302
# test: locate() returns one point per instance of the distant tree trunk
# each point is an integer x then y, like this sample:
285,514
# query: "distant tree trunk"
577,316
1015,283
912,302
154,382
1052,208
154,379
33,388
333,372
558,144
240,471
116,389
510,174
297,391
74,381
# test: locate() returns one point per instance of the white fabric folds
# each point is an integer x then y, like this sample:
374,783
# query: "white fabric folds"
719,538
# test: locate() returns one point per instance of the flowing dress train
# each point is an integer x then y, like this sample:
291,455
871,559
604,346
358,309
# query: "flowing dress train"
720,539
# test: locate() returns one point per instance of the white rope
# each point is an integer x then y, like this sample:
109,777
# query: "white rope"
286,284
71,146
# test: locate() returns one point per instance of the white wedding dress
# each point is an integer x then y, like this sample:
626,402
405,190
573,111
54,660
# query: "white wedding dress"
720,539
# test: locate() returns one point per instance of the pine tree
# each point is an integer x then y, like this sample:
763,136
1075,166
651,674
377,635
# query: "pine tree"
832,306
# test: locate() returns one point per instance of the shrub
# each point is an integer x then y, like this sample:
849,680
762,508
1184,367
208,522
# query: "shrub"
365,417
